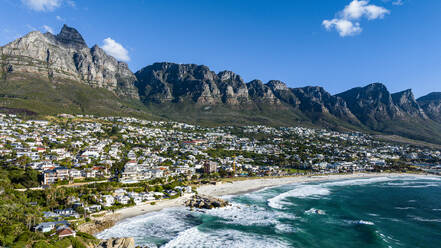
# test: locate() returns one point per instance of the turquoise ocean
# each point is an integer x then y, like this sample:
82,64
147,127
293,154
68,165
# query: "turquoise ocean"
362,212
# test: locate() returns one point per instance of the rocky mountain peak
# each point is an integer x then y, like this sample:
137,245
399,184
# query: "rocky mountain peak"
405,100
277,85
66,57
404,97
434,96
229,76
431,105
71,37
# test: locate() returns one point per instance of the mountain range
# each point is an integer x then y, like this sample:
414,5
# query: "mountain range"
49,74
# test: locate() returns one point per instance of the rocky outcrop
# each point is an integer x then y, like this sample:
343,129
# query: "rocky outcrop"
117,243
371,104
169,82
405,101
98,225
66,56
318,100
282,92
206,202
233,89
261,93
431,105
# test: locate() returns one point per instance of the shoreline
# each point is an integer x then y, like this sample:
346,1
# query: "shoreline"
231,188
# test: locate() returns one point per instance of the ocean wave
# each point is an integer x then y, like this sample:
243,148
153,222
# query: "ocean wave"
162,225
421,219
360,222
286,228
315,211
360,181
414,184
193,237
249,215
302,191
404,208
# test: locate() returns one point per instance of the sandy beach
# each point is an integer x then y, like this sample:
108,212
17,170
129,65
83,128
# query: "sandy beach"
237,187
147,207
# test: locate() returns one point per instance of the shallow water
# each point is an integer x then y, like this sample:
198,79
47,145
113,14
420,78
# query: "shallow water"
371,212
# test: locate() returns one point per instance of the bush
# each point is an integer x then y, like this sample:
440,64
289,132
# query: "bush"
85,235
64,243
42,244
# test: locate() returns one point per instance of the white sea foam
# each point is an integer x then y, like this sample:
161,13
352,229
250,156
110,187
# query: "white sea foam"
315,211
417,218
404,208
249,215
193,237
164,225
360,222
301,191
360,181
415,184
286,228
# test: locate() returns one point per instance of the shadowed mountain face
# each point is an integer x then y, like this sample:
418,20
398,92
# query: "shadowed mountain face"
405,101
431,105
46,73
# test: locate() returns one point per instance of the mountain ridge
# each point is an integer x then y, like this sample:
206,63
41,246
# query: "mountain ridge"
194,93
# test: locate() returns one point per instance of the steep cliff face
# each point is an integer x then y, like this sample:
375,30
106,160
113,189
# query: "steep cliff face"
233,89
168,82
371,104
282,92
431,105
318,100
405,101
261,93
66,56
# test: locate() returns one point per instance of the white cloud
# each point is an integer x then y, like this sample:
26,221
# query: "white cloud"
71,3
48,29
59,18
343,27
347,23
42,5
357,9
398,2
115,49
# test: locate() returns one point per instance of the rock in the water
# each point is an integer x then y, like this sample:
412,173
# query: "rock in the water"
206,202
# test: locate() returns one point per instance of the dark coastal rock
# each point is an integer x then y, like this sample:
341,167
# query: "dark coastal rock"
206,202
117,243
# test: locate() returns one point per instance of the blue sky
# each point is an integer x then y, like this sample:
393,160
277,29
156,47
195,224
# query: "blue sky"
336,44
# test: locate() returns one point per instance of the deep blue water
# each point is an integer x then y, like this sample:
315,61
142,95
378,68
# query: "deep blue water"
370,212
